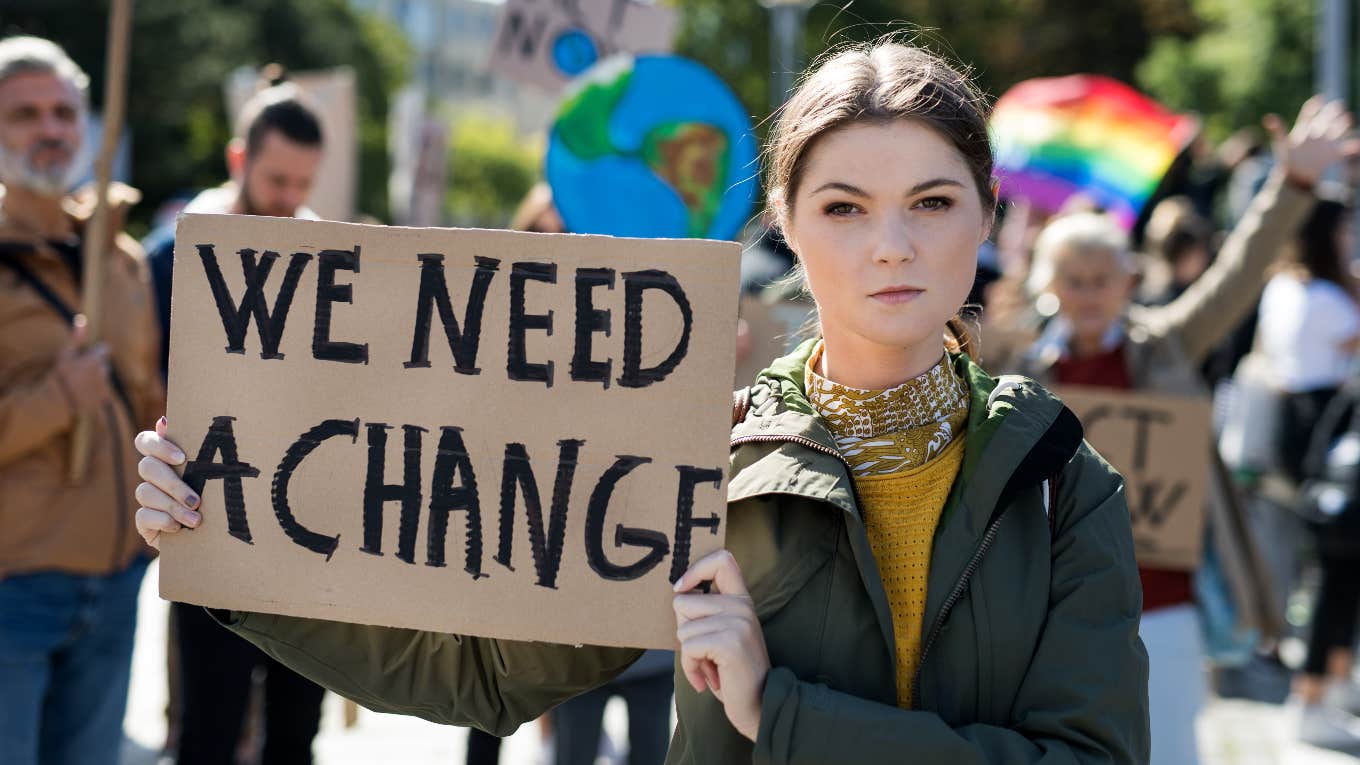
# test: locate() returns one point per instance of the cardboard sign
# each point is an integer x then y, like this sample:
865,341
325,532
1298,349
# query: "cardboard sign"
1161,446
548,42
479,432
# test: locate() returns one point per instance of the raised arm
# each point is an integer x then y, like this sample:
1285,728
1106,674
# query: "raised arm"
1218,301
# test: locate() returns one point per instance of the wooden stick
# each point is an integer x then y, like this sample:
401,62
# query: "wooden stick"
97,234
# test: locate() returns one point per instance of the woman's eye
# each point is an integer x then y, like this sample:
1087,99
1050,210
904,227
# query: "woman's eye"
840,208
936,203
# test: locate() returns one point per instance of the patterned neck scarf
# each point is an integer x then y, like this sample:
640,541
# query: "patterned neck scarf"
887,431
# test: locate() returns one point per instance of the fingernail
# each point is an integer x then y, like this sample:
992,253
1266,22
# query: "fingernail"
191,500
676,587
194,518
161,422
177,456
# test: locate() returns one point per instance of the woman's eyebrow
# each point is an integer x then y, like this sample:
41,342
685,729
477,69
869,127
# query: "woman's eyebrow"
914,190
838,186
932,183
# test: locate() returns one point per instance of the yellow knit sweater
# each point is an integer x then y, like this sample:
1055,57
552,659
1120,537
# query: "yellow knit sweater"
904,447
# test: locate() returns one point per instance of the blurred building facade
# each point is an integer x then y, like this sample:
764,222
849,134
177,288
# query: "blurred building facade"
452,42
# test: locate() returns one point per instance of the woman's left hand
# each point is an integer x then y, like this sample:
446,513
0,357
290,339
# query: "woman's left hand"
722,647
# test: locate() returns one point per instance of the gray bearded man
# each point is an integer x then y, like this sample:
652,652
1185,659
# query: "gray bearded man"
70,565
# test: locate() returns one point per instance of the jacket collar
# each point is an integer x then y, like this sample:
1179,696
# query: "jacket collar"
783,447
79,207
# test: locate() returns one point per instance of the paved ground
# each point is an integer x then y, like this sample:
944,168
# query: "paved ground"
1231,732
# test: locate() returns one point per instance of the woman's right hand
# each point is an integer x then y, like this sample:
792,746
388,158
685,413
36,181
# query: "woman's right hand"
167,504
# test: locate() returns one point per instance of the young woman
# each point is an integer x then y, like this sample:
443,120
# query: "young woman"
924,563
1098,338
1309,333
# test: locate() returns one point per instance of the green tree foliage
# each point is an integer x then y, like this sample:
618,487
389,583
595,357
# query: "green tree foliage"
1252,57
182,51
1005,41
490,170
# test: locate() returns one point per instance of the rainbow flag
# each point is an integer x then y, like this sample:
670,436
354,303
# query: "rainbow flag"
1085,134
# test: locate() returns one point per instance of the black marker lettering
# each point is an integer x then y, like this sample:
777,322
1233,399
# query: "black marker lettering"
236,320
634,284
434,292
328,293
221,440
598,508
589,321
685,522
545,544
306,443
452,460
1152,506
377,494
523,36
517,367
1144,418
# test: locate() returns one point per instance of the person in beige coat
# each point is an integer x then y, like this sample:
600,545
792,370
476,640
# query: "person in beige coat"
1098,338
70,561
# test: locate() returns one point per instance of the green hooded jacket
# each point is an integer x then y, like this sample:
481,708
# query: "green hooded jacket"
1030,650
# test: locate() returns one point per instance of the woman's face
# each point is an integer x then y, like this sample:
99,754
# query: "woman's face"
887,221
1093,291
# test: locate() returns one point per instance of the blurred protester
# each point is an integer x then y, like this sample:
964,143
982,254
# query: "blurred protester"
537,213
1178,242
70,563
646,687
1309,336
1098,338
273,160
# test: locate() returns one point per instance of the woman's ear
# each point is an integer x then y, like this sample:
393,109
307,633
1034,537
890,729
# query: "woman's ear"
236,159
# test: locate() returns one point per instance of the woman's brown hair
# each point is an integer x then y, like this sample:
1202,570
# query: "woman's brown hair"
882,82
1315,253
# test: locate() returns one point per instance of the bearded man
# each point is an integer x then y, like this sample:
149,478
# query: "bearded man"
71,562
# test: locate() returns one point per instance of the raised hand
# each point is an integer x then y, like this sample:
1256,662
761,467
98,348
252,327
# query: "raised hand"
1320,137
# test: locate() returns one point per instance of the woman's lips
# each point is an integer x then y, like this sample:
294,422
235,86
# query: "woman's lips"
897,295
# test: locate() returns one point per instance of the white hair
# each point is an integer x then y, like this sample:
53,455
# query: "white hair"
1080,232
34,55
25,54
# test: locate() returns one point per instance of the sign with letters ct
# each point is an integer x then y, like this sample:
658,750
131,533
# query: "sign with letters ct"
480,432
1160,444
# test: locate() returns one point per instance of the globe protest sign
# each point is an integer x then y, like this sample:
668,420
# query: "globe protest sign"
628,158
491,433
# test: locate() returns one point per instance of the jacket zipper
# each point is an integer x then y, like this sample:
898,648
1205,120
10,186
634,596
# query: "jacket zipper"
987,539
800,440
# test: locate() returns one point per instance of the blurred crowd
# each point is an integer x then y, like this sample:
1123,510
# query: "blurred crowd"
1237,286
